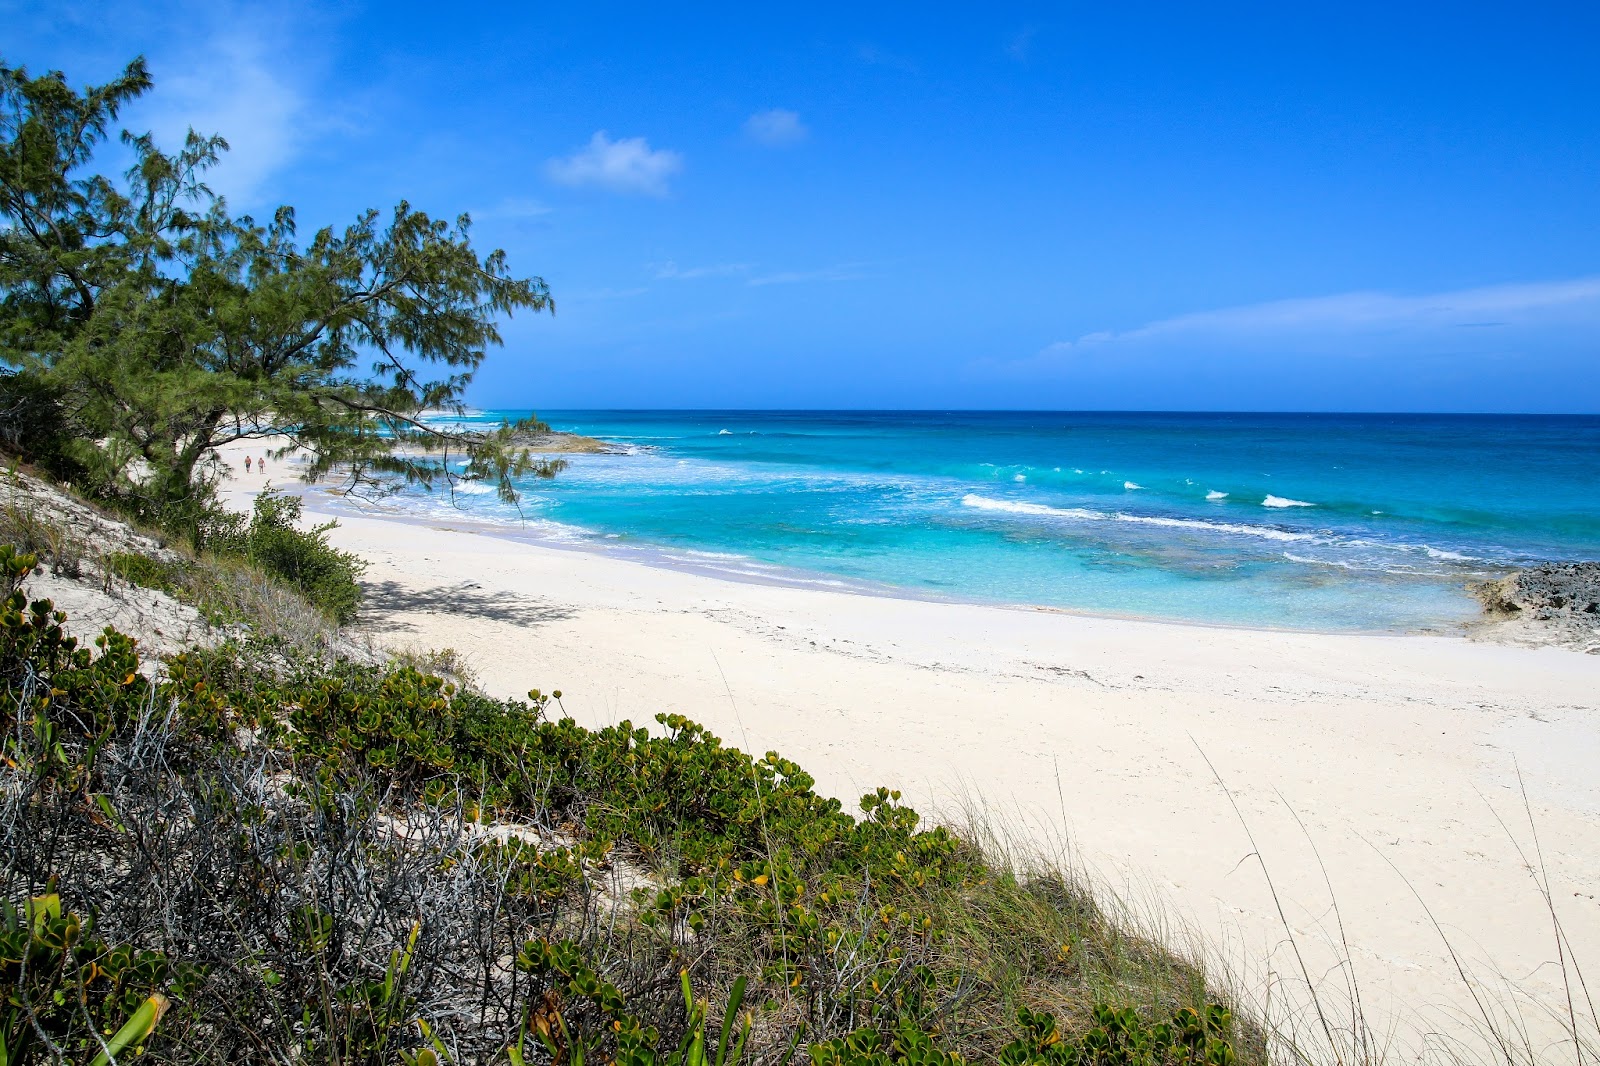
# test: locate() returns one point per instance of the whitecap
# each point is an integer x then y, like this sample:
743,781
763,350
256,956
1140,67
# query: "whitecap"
984,503
1215,495
724,433
1020,477
1284,501
1439,553
1130,485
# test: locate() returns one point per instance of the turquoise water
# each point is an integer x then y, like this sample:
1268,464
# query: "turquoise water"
1308,521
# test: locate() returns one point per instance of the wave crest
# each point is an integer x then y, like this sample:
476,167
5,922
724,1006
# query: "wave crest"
984,503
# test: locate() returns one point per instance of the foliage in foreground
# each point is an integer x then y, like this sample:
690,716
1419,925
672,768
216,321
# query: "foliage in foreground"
352,864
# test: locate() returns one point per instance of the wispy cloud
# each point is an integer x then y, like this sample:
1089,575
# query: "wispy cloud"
671,271
1289,324
1020,47
241,83
777,128
628,165
841,272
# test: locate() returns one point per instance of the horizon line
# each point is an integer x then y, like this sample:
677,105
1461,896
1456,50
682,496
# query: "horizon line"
1056,411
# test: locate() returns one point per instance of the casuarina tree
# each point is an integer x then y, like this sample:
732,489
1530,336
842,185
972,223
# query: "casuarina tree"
160,326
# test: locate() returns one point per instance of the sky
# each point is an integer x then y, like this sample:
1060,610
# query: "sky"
1364,207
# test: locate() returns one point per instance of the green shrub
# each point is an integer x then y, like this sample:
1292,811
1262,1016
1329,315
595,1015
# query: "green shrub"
1117,1038
273,541
332,815
57,980
147,572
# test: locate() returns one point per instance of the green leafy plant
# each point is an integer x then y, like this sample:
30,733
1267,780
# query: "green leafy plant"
602,1027
62,990
342,801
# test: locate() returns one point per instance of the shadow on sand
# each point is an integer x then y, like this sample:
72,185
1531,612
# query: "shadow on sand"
387,598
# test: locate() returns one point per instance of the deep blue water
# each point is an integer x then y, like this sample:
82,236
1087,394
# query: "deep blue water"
1304,520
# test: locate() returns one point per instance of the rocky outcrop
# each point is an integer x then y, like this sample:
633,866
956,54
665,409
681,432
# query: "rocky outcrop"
566,443
1558,603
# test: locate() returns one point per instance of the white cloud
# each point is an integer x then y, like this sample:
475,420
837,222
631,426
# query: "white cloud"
1288,324
776,128
842,272
235,84
629,165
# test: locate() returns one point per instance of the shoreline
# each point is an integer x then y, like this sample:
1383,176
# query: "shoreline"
1093,733
653,555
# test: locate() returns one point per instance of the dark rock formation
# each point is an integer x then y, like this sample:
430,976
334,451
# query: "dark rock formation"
1558,603
1555,590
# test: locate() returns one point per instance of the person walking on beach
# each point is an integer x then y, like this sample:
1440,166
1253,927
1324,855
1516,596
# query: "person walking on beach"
247,464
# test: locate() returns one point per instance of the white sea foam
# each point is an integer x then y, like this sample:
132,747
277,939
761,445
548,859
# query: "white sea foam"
1020,477
1344,564
984,503
724,433
1131,485
1215,495
1264,532
1284,501
1439,553
1340,563
472,488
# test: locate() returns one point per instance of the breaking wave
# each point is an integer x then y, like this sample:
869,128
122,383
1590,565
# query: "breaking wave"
984,503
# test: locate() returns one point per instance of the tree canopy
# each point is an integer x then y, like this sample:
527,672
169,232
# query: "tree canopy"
156,326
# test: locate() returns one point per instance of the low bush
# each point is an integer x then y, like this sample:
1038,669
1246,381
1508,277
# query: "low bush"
273,540
350,864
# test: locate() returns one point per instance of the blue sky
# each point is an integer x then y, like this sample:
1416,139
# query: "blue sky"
1258,207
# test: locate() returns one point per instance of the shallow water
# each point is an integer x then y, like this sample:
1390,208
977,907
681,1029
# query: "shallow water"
1309,521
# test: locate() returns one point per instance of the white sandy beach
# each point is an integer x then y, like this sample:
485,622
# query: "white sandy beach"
1400,754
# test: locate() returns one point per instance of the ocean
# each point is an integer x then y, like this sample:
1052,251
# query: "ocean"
1305,521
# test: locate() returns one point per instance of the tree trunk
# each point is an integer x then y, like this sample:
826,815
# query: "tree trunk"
175,494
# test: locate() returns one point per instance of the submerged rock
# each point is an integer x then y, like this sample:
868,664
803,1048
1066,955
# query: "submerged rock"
1557,603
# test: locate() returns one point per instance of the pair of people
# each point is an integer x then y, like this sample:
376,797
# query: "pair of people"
261,465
